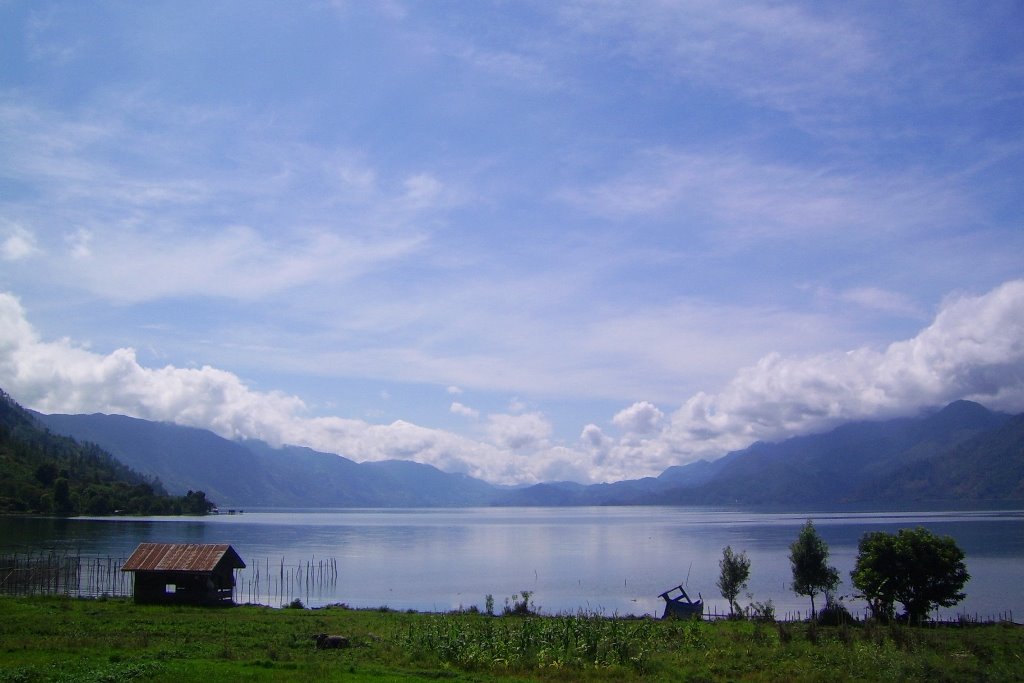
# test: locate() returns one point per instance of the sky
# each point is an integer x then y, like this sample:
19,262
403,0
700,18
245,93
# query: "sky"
527,240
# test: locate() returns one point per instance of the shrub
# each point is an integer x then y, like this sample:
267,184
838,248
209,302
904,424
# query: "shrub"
521,606
835,614
761,611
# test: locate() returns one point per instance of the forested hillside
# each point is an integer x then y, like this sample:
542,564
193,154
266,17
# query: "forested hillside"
43,473
960,453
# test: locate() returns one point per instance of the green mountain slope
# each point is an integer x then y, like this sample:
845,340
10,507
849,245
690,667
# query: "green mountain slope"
44,473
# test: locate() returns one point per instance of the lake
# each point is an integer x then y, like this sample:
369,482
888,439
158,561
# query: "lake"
610,560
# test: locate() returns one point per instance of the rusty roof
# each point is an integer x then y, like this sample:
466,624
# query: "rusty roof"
182,557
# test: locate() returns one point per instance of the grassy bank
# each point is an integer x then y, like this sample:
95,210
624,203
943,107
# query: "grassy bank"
61,639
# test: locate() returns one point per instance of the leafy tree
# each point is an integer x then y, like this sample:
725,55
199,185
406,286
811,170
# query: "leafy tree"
62,504
914,567
808,556
735,570
195,503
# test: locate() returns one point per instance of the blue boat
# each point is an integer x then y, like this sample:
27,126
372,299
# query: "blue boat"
680,606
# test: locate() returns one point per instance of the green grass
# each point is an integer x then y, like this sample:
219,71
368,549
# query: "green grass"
61,639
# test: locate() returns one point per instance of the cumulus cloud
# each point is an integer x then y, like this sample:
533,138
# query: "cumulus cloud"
596,443
519,432
973,349
639,418
464,410
62,377
18,243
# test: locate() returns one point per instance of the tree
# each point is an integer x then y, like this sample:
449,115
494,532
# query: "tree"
195,503
735,572
914,567
62,504
808,556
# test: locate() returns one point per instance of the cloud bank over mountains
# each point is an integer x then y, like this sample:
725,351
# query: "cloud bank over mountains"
527,241
973,349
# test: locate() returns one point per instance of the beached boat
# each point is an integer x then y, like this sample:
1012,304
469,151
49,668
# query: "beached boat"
678,604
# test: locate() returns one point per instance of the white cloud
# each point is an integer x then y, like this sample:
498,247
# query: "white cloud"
523,69
642,417
519,432
751,200
464,410
596,443
783,56
18,244
61,377
236,262
79,244
515,405
973,349
43,45
422,189
879,299
158,225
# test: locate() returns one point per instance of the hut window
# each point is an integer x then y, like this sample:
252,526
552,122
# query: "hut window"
170,589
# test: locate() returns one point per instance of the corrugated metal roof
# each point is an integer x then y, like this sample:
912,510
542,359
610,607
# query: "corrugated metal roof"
184,557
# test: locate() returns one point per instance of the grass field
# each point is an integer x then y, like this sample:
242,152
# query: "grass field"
63,639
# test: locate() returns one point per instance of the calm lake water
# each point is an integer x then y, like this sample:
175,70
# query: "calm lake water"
612,560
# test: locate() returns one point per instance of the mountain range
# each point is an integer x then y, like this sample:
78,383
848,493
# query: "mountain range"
963,452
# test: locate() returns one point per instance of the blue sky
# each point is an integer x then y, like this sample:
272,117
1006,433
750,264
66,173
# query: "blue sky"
524,240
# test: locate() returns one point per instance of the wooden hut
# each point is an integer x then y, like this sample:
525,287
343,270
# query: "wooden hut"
183,573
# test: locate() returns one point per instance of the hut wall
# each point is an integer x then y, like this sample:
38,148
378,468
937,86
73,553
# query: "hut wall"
194,588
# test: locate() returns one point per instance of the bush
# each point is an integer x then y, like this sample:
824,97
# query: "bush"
761,611
521,606
835,614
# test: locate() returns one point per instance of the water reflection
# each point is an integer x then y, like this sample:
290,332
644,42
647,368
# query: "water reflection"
616,560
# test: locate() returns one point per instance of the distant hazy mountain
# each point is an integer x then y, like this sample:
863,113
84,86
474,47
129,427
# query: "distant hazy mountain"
849,463
252,473
962,452
989,466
